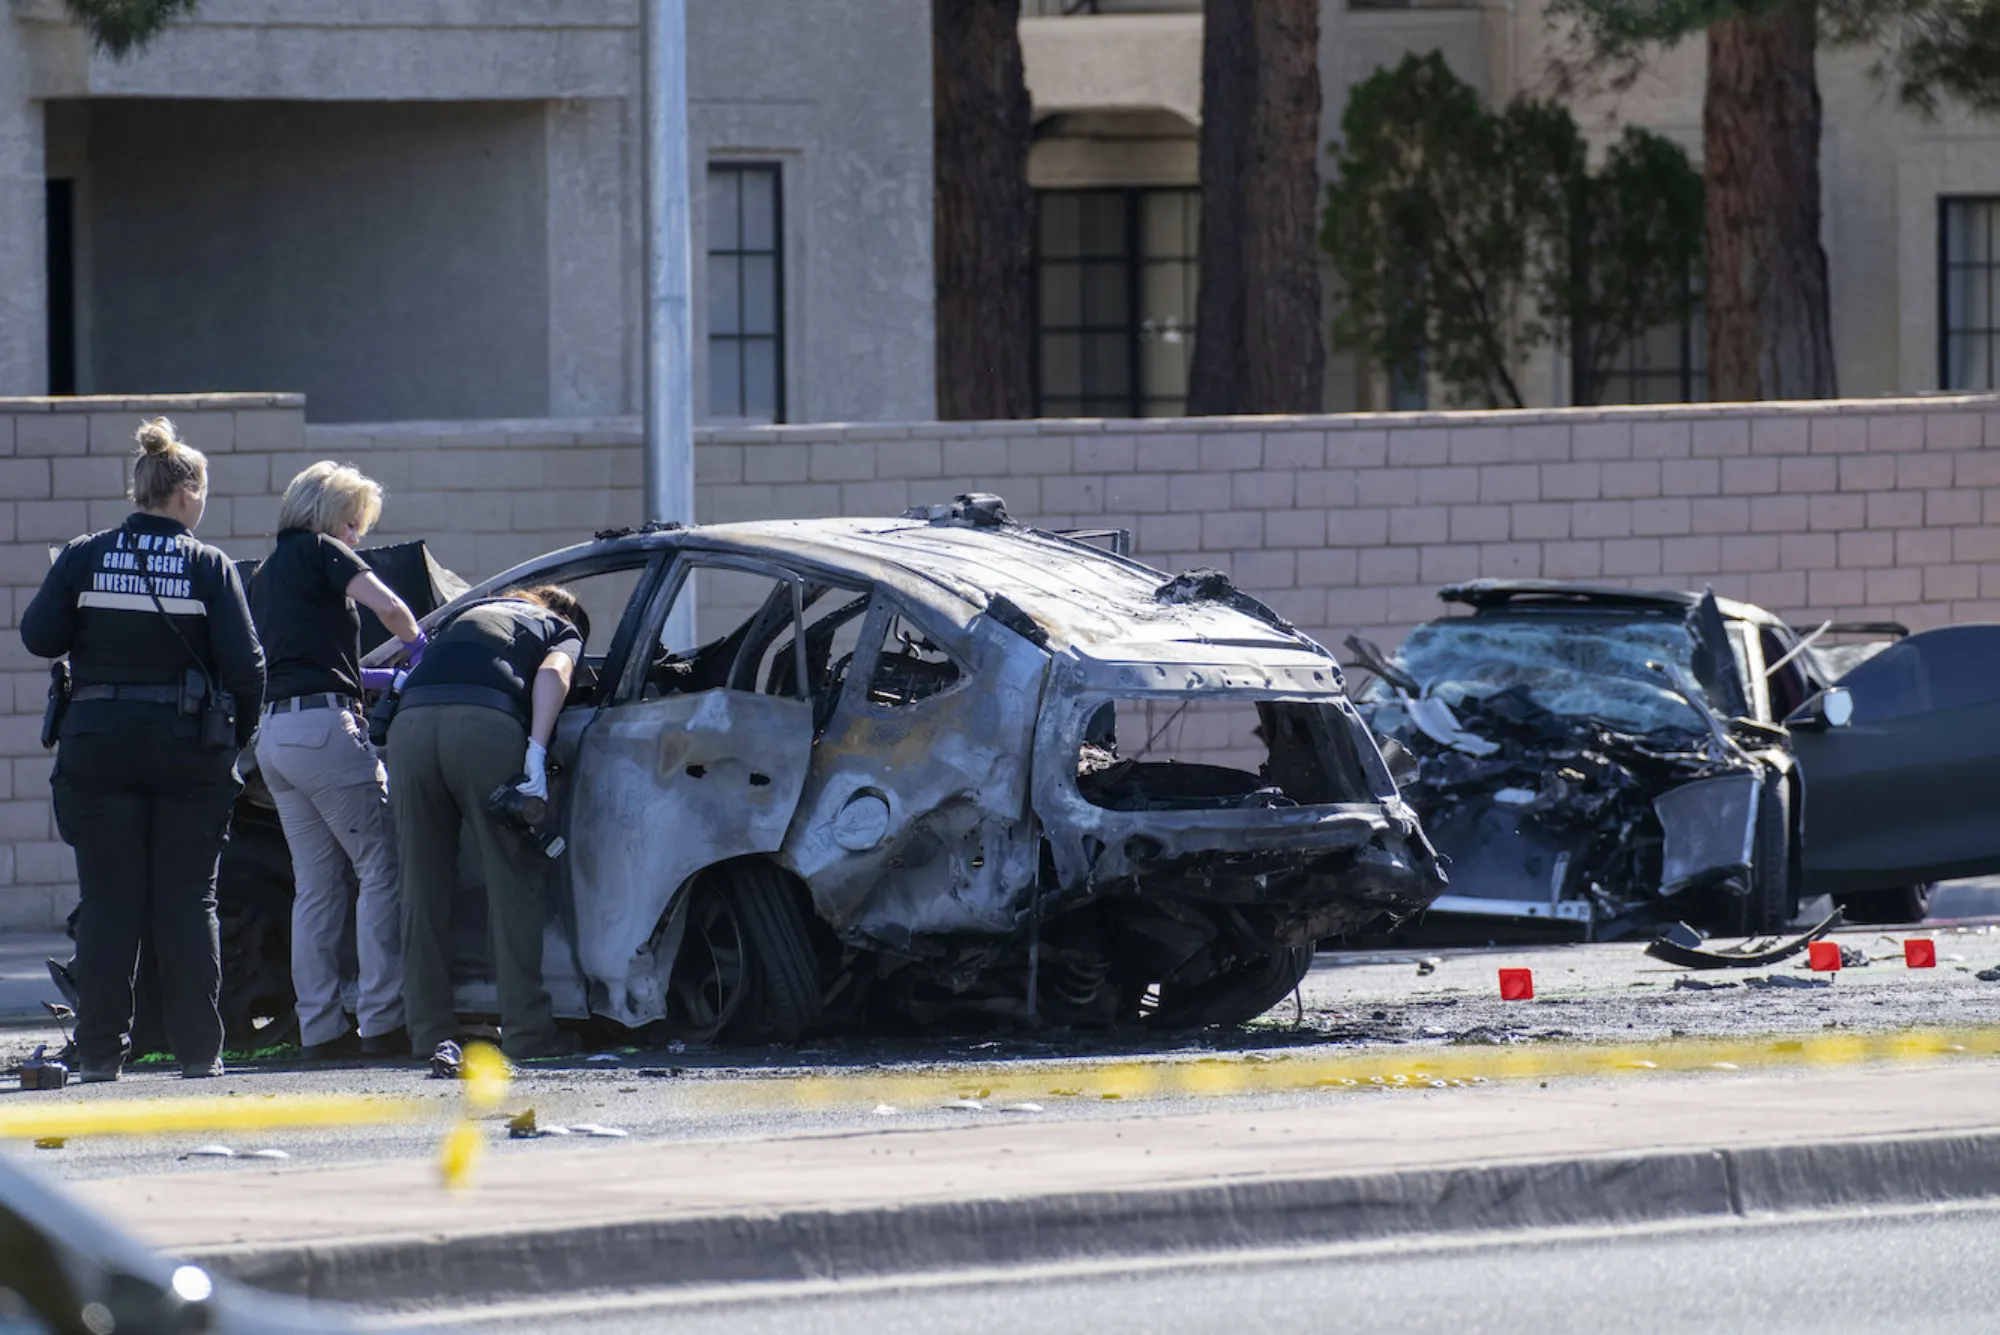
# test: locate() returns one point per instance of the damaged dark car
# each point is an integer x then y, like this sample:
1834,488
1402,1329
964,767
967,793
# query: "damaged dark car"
1600,760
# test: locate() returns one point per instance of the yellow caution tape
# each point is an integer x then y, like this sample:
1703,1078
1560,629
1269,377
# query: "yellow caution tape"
1373,1069
148,1117
485,1074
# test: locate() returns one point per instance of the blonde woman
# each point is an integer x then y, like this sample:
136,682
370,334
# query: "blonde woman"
313,750
160,649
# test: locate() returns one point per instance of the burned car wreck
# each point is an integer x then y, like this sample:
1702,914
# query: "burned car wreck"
1604,759
934,768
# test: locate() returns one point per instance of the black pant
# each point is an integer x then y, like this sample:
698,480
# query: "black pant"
147,812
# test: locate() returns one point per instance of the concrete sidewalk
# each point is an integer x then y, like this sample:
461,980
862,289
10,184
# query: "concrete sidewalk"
553,1215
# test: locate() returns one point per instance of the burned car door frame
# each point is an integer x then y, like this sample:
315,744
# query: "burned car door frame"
1904,793
669,784
914,822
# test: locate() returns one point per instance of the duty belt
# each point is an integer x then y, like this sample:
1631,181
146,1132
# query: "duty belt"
320,700
484,696
145,695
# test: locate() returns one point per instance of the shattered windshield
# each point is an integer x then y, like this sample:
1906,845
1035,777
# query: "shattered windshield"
1595,668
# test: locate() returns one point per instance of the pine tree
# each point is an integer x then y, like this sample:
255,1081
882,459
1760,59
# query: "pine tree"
1768,307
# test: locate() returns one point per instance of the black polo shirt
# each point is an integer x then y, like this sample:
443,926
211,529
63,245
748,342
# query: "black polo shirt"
310,630
497,645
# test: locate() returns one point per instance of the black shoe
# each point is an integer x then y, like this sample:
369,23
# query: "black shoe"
98,1073
394,1043
207,1070
563,1044
347,1045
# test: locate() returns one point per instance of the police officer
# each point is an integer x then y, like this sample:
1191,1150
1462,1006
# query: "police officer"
475,715
158,636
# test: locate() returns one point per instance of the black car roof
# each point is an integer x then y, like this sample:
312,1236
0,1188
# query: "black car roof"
1546,595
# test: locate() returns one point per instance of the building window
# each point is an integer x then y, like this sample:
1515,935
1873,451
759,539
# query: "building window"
1115,289
1666,364
746,293
1969,283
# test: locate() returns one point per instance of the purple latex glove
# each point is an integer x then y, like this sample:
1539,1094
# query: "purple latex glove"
416,655
377,679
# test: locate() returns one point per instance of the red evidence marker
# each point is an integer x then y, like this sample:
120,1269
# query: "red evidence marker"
1517,985
1824,956
1920,954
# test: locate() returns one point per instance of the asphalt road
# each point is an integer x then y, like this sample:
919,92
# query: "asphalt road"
1392,1004
1915,1272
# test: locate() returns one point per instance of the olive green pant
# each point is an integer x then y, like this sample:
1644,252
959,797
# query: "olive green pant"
444,762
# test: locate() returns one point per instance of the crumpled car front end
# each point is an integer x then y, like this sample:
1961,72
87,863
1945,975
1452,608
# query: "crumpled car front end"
1571,767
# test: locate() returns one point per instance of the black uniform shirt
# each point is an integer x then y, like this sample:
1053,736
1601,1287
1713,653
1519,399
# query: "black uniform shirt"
310,630
498,645
96,607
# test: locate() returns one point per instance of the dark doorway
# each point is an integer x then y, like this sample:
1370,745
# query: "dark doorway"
62,287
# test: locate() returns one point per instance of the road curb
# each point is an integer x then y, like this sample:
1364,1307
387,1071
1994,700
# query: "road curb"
1602,1190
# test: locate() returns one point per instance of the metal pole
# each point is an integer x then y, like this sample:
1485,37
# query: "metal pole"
669,473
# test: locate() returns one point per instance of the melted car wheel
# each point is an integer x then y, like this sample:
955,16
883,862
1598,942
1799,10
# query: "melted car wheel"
746,972
1235,996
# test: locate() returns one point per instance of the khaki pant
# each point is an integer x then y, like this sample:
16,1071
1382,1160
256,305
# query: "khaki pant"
333,802
444,762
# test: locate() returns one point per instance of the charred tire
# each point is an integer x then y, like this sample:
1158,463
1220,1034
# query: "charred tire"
1909,903
1235,997
1772,901
780,972
254,892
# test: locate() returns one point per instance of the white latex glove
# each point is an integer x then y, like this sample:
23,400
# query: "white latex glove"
537,767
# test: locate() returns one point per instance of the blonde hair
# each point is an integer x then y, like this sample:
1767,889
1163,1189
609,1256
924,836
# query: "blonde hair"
327,495
165,466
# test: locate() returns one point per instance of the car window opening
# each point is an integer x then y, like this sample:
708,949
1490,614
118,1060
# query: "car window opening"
911,667
1215,755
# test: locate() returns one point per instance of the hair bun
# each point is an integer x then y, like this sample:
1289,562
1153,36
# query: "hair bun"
158,436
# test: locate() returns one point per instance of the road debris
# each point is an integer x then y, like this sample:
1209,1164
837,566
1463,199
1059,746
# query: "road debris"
1686,983
1681,944
1989,975
447,1061
51,1142
268,1154
210,1152
595,1129
1783,980
42,1071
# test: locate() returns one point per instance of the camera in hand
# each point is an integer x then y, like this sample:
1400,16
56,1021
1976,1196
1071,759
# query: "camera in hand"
530,817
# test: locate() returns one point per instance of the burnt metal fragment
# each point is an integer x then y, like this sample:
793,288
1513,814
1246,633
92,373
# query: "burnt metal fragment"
1679,944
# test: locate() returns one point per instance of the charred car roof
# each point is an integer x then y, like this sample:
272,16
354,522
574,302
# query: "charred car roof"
1065,594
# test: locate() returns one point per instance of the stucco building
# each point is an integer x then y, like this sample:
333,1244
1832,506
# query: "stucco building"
430,210
1912,208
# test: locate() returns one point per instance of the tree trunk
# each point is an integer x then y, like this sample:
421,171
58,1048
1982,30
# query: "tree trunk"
1258,346
984,211
1769,318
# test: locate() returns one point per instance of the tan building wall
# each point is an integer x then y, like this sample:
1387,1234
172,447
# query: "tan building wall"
1345,524
1883,169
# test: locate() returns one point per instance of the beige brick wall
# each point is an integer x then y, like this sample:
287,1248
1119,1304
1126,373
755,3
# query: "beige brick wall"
1876,508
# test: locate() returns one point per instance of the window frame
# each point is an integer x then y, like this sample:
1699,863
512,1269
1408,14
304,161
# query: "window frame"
1135,396
735,170
1989,204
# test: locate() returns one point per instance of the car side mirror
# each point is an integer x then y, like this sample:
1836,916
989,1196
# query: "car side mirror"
1831,708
